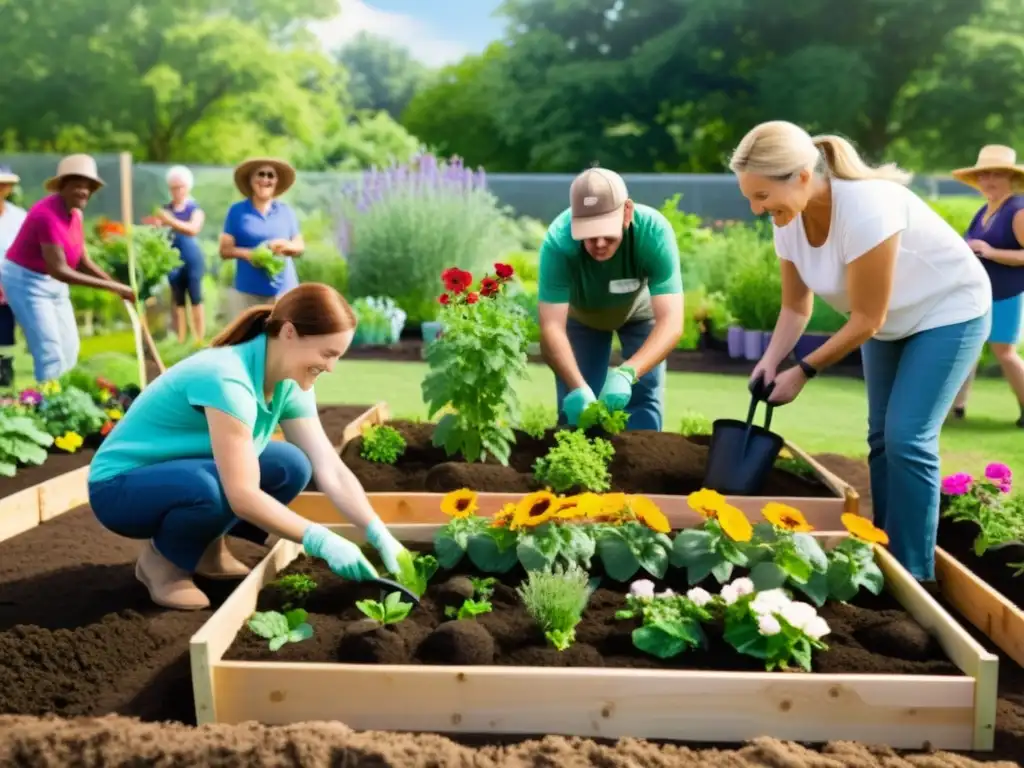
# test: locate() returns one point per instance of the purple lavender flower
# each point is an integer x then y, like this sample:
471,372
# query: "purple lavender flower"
957,485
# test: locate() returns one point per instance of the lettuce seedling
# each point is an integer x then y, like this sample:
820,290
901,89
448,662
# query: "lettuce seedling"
382,444
415,571
468,609
483,586
389,611
290,627
598,414
296,588
575,461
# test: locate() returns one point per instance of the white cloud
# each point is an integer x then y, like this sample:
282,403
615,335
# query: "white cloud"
423,42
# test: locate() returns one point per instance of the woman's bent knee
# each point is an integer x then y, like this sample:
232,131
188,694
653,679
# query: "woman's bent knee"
286,467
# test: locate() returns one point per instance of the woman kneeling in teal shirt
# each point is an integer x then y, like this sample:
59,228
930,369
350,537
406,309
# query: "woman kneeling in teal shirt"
193,460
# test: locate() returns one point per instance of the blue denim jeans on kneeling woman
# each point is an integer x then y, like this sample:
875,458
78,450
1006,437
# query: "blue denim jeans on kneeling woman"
911,385
181,505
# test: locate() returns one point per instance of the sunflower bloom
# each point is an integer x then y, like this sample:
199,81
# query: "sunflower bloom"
504,518
460,503
706,502
535,508
568,508
647,512
608,508
734,523
786,517
864,529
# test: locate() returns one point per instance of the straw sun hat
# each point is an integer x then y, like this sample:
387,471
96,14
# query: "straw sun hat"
7,176
74,165
993,157
245,169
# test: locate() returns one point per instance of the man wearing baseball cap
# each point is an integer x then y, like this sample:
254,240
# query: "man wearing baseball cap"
609,265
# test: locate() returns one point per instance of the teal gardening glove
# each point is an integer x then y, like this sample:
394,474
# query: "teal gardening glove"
576,402
387,545
618,387
343,557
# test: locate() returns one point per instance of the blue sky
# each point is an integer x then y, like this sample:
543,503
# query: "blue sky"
437,32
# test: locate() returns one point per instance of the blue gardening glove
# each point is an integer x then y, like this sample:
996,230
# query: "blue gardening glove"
343,557
387,545
618,388
576,402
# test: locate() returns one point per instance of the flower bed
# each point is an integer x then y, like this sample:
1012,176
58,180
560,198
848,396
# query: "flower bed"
527,627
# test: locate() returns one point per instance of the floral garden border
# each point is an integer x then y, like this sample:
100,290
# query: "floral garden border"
904,711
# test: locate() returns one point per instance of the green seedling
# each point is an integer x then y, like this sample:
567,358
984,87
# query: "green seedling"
483,586
390,610
264,258
290,627
415,571
468,609
382,444
296,588
597,414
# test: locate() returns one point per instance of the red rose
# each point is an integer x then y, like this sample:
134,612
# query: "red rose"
444,299
456,280
504,271
489,286
472,298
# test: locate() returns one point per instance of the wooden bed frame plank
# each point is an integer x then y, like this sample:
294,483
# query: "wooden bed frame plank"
904,711
63,493
19,512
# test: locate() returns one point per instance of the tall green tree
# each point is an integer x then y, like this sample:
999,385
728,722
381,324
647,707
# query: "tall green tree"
382,74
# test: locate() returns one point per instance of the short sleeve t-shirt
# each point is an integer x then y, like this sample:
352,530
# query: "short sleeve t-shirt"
250,229
1007,280
48,223
605,295
938,280
168,420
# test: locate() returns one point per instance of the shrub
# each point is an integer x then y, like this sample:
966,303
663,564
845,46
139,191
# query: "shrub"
400,227
754,291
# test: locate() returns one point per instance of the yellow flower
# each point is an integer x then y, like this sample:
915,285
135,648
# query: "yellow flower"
864,529
69,441
706,502
607,508
647,512
49,388
114,414
734,523
784,516
785,453
460,503
505,516
105,395
535,508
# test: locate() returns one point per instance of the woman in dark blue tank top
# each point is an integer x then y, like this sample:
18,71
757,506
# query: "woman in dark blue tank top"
997,235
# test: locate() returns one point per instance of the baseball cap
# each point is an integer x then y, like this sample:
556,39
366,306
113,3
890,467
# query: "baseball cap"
597,198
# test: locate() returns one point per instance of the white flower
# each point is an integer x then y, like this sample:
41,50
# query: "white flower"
817,628
799,615
729,594
666,593
743,586
699,596
642,588
771,601
768,625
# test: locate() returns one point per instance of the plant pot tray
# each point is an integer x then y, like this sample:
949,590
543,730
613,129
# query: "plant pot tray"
905,711
991,612
28,508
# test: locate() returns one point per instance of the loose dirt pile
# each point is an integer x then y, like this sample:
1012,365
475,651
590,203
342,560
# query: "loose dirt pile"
644,462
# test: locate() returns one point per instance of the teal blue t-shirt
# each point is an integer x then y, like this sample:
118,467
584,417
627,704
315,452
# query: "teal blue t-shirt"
167,421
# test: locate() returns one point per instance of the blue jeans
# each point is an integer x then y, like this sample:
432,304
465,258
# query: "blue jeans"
911,385
181,505
42,307
593,352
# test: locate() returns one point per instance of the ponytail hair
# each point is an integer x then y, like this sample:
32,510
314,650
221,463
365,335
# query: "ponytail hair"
780,150
314,309
844,162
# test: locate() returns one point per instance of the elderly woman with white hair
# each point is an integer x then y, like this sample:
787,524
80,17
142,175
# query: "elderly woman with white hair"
186,218
915,296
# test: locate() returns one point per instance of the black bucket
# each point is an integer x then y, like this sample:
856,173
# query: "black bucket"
742,454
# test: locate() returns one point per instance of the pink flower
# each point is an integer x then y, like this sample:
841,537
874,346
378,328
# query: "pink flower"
30,397
1001,474
957,485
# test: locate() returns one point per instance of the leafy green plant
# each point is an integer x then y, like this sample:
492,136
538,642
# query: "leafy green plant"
264,258
536,420
718,545
21,442
279,629
390,610
382,443
469,609
552,544
694,423
597,414
483,586
754,292
671,623
983,502
415,571
474,365
769,625
71,410
555,600
154,255
296,588
782,553
492,549
851,563
629,547
380,320
575,462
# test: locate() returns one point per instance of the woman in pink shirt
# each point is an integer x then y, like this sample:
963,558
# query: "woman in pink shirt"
47,255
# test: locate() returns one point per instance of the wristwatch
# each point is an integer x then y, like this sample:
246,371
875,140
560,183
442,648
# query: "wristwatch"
631,371
809,370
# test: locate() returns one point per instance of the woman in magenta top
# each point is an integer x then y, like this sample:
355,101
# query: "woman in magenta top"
996,234
47,255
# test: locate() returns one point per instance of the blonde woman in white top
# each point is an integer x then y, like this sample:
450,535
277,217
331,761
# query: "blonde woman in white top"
917,299
11,219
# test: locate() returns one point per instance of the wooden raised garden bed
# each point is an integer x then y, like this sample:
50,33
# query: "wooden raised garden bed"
862,688
36,504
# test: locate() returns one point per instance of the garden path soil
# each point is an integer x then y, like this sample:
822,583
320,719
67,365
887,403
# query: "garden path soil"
644,462
90,644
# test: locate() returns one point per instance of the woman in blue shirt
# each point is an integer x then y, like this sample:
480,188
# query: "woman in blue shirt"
186,218
261,218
